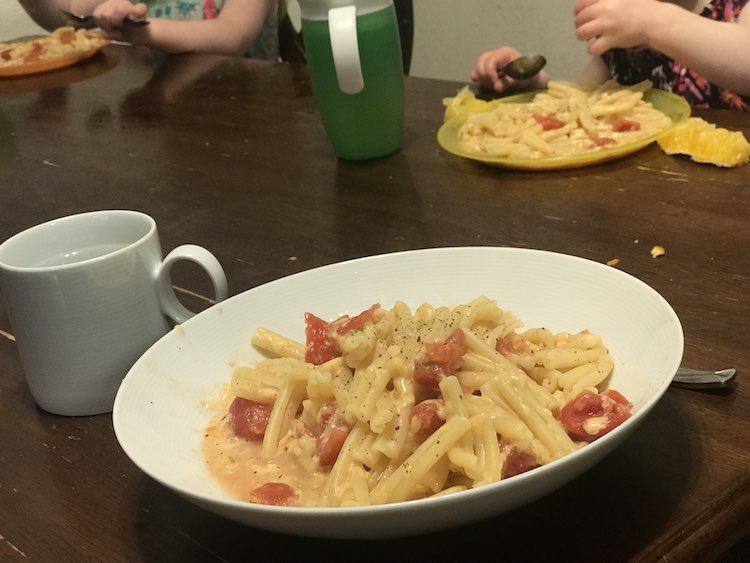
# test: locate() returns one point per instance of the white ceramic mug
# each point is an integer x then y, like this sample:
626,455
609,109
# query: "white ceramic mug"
86,295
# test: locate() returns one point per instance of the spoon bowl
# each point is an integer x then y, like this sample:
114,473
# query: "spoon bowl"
525,66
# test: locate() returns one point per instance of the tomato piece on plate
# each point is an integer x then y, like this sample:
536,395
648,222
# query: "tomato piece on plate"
321,335
426,418
621,125
344,325
249,419
507,347
548,122
604,142
517,462
333,434
274,494
590,416
330,445
319,347
444,359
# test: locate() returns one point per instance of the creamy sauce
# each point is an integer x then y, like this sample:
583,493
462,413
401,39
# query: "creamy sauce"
236,464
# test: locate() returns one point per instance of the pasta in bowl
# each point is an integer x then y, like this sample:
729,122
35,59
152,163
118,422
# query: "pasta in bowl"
393,405
566,126
177,386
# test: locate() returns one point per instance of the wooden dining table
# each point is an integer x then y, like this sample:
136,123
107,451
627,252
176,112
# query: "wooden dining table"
231,154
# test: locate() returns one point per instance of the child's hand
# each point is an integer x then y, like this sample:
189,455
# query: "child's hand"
110,16
487,70
609,24
488,73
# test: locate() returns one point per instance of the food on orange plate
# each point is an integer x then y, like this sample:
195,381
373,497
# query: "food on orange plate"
393,405
564,120
705,142
64,45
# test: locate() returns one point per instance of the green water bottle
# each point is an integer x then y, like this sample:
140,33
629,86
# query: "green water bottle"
354,58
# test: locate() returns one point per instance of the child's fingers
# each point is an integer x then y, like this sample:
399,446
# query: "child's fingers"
487,70
495,61
113,13
483,69
589,30
581,5
139,11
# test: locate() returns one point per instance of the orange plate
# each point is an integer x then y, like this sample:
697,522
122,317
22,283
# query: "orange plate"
51,64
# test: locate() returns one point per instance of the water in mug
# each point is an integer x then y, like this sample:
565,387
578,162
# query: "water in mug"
78,255
370,123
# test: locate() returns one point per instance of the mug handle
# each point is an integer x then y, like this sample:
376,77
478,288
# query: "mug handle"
169,302
342,29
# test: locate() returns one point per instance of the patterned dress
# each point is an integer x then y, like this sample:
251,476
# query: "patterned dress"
265,47
629,66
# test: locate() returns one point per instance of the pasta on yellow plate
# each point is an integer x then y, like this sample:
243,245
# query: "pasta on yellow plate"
564,120
393,405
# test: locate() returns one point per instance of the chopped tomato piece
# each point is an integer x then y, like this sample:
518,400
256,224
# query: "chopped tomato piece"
426,418
444,359
449,352
321,336
548,122
6,54
330,445
319,346
344,325
604,142
275,494
429,375
333,433
249,419
324,415
517,462
621,125
590,416
508,347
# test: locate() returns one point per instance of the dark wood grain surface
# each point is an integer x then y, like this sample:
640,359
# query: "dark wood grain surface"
231,154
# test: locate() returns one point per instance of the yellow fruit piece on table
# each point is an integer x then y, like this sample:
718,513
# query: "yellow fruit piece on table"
705,142
464,102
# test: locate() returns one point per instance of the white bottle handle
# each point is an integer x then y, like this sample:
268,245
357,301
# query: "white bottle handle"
169,302
342,29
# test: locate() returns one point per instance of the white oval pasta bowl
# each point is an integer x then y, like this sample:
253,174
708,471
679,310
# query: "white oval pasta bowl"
160,415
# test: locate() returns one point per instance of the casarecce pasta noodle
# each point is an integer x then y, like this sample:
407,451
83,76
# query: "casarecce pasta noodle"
394,405
564,120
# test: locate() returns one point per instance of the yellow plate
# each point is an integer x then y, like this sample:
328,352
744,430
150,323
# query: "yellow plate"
675,107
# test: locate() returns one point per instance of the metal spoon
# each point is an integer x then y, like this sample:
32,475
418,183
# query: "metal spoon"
702,379
87,22
524,67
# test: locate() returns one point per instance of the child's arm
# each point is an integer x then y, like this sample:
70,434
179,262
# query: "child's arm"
231,33
46,13
715,50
